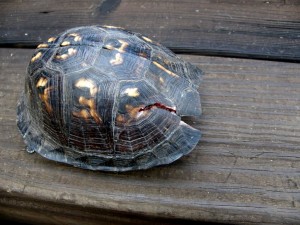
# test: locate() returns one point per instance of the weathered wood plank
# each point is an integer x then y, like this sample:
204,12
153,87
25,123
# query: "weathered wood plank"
245,170
259,28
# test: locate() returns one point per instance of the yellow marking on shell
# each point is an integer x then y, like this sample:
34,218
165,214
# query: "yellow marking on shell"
87,83
121,49
164,69
51,39
42,82
46,99
65,43
143,54
77,38
117,61
73,34
147,39
120,119
37,56
109,47
108,26
45,96
82,113
132,92
63,56
132,111
71,52
43,45
90,84
135,113
124,44
92,105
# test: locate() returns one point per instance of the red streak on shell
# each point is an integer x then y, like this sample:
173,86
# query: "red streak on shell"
157,105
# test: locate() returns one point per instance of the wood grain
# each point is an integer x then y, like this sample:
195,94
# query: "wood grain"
245,170
257,29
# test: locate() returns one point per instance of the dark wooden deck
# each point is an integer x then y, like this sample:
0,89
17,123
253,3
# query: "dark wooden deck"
245,170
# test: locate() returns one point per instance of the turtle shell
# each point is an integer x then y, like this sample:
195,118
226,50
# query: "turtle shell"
104,98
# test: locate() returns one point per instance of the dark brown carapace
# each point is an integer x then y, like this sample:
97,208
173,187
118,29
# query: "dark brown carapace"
104,98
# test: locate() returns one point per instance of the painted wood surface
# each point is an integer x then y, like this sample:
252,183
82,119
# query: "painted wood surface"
257,28
245,170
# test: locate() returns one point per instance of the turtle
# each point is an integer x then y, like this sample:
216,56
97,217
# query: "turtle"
106,98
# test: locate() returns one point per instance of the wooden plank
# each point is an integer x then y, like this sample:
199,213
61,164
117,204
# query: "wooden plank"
259,28
245,170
